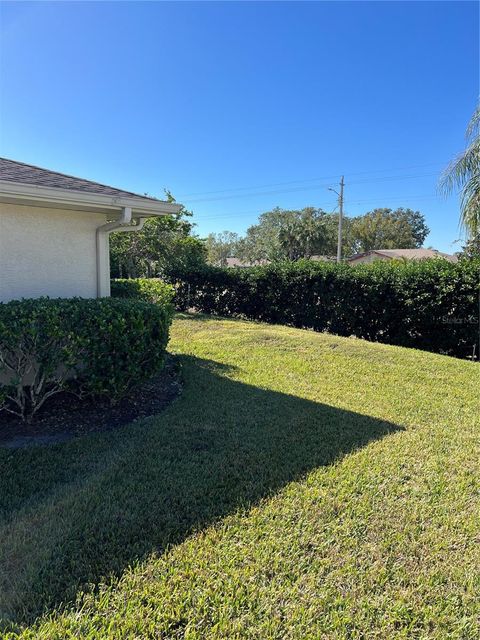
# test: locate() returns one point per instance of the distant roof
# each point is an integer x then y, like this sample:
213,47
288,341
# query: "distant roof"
236,262
319,258
407,254
14,171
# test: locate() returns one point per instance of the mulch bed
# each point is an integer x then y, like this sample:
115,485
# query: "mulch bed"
64,416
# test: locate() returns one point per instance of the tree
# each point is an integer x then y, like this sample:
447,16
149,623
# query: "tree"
292,234
288,235
471,250
387,229
164,246
221,246
464,173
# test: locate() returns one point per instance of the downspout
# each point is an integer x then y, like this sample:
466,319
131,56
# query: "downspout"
123,223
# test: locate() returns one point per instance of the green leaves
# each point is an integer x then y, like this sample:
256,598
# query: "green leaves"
283,234
221,246
146,289
464,174
289,235
429,304
387,229
103,347
163,243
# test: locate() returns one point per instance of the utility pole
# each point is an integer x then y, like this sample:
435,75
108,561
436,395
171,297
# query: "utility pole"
340,220
340,217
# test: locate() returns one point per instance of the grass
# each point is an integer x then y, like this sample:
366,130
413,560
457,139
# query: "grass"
304,486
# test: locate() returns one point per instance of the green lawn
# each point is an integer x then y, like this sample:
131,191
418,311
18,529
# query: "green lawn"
303,486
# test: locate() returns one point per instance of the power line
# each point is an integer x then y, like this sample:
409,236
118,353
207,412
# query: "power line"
394,178
331,177
306,188
326,208
249,213
405,197
257,193
258,186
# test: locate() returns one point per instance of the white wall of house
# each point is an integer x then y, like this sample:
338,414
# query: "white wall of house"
47,252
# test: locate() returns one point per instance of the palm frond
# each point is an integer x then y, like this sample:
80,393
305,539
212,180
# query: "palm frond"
463,173
473,125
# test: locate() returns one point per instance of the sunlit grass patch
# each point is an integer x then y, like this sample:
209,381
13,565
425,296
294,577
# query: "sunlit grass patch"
303,486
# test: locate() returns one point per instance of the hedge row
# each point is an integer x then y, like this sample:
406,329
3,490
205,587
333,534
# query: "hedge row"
98,348
431,304
146,289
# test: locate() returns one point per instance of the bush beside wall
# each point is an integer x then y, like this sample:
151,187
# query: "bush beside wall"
100,348
146,289
430,304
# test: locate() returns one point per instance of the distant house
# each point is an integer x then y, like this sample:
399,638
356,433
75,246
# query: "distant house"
242,264
319,258
399,254
54,231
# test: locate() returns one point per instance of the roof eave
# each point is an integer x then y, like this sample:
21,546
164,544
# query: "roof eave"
81,200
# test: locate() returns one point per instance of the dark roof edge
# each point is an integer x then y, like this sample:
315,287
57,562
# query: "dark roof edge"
68,175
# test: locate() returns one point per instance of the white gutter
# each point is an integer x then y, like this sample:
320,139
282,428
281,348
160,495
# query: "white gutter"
132,207
123,223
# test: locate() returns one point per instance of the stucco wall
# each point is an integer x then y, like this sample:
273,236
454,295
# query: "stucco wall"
47,252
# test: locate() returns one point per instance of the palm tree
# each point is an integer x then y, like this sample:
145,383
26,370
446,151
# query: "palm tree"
464,173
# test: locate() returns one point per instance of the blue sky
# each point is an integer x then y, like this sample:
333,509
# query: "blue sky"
239,107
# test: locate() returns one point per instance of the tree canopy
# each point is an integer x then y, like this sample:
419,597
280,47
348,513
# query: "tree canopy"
286,234
386,229
221,246
471,250
283,234
165,244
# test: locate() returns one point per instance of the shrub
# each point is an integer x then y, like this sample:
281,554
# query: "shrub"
146,289
37,353
430,304
101,348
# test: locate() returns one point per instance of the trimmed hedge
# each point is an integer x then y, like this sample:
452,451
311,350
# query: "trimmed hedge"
430,304
100,348
146,289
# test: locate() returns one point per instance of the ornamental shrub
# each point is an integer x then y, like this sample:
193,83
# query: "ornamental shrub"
100,348
428,304
146,289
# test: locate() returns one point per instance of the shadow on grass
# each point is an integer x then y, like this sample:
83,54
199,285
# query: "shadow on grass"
80,513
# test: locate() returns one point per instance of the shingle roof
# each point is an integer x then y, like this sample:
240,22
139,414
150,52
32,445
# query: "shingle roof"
13,171
408,254
413,254
237,262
